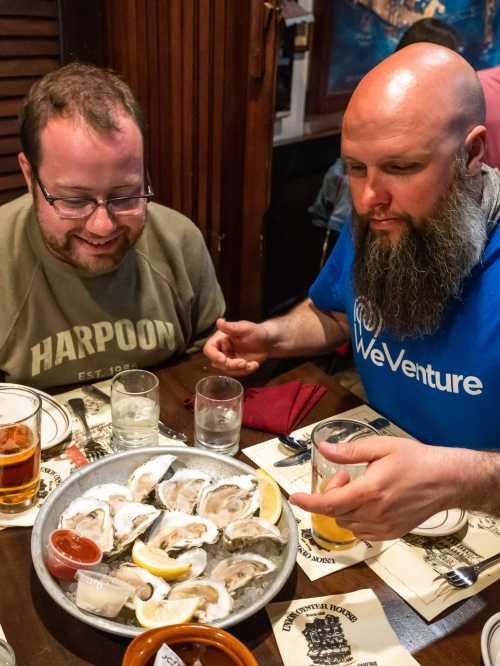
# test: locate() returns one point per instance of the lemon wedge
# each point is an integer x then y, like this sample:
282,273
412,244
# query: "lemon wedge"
157,562
271,502
151,614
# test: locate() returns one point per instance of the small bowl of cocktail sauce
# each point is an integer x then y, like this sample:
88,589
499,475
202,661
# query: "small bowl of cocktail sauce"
67,552
211,646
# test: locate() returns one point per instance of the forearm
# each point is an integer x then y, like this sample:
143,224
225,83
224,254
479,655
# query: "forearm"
476,480
306,331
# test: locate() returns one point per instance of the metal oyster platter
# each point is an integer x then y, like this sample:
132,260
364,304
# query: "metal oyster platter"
117,468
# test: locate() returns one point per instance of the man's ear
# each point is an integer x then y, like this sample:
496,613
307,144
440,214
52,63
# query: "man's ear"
475,147
26,169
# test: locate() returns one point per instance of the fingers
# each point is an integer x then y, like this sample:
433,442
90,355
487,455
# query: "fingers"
366,450
234,329
338,480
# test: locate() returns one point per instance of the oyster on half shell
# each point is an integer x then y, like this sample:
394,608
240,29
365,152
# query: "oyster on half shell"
146,585
197,558
215,602
247,531
130,521
238,570
177,530
144,479
114,494
182,491
91,518
229,499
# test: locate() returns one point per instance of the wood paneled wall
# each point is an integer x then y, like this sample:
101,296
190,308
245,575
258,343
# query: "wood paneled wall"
29,48
203,71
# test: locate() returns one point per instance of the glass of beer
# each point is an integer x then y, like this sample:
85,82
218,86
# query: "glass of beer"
20,414
324,529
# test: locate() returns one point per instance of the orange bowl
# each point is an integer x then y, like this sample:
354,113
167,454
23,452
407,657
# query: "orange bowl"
225,649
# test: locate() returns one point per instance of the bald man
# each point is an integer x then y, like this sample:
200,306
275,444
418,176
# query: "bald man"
414,279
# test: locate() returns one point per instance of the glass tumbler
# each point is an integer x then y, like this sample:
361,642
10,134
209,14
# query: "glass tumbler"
135,409
218,408
20,416
324,529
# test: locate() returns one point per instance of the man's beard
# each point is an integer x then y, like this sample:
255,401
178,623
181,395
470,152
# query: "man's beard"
412,281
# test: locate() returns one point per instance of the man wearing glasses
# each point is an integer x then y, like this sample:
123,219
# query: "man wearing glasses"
96,278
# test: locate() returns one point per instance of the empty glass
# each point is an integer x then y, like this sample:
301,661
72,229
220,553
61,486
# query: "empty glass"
135,409
218,409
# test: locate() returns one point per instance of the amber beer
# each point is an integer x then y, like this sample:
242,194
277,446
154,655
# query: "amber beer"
325,530
19,449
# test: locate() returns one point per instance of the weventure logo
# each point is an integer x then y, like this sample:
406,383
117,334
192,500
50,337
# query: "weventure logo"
367,328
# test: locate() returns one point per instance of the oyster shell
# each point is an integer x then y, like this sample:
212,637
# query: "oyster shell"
177,530
114,494
182,491
197,558
246,531
238,570
91,518
147,476
229,499
215,601
146,585
132,520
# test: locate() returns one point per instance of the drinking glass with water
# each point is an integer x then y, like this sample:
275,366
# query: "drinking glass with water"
218,409
135,409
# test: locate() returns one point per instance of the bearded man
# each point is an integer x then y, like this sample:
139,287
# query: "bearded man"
95,277
414,279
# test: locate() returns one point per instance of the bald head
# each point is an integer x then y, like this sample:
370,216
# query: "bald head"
422,83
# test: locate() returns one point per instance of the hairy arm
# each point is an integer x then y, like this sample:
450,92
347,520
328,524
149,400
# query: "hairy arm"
406,482
239,347
306,331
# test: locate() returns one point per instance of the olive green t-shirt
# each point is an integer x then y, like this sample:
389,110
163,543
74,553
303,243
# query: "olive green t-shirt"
62,325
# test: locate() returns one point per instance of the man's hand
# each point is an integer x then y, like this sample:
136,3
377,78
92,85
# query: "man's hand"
238,347
405,483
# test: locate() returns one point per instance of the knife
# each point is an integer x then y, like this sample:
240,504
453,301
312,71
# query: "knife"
96,392
296,459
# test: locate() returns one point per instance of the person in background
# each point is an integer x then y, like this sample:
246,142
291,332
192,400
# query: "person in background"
434,31
95,277
490,80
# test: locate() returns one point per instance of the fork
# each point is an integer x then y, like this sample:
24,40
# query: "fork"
467,576
93,449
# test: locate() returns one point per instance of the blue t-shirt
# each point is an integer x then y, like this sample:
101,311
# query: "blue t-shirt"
442,388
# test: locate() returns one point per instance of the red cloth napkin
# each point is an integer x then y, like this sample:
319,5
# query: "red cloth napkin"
279,408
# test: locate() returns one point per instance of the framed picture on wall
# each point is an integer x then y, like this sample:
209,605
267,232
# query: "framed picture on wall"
352,36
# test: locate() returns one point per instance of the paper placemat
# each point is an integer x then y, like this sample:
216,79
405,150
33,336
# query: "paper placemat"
317,562
410,565
297,478
52,474
338,629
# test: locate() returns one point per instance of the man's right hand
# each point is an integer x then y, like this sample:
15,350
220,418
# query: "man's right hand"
238,347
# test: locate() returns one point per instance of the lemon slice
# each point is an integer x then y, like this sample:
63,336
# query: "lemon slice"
158,562
271,501
151,614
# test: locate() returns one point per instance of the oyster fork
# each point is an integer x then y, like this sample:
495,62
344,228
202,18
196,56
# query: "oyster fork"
468,575
93,449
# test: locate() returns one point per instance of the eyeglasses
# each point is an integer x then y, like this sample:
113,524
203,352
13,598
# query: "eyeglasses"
75,208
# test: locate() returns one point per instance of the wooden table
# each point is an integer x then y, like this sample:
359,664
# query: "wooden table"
42,634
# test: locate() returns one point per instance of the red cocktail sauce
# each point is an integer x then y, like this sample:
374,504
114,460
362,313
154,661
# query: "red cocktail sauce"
67,552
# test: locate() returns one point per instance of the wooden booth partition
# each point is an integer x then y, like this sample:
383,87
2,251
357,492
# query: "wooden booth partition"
204,72
29,48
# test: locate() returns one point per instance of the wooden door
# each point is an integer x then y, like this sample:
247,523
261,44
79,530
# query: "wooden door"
204,72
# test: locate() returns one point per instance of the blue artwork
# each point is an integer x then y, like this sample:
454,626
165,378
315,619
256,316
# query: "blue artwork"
367,31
